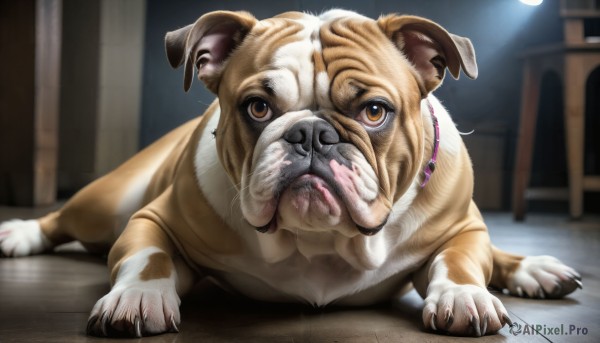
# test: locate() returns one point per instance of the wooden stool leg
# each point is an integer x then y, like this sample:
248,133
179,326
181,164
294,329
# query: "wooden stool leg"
530,93
574,126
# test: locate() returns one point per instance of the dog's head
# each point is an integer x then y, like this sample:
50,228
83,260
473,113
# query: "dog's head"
321,125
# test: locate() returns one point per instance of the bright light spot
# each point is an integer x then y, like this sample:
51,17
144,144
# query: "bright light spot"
532,2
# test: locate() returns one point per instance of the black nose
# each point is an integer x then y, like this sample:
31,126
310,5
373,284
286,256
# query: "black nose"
314,135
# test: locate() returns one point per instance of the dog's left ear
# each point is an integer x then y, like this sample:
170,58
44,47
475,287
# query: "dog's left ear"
206,44
430,48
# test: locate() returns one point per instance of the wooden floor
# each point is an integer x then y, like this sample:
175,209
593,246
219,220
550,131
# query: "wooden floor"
48,298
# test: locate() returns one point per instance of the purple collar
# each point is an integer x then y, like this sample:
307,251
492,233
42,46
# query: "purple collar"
430,167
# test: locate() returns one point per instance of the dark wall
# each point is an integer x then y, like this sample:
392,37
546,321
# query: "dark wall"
80,77
499,30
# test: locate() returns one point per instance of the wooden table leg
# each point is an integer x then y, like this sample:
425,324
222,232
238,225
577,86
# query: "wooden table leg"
530,93
574,131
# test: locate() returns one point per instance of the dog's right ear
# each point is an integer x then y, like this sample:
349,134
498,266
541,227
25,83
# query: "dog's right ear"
206,44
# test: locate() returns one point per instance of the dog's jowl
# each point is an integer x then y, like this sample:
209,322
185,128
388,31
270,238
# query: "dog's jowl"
325,171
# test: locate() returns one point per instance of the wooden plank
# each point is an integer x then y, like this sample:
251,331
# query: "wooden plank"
591,183
47,94
29,95
541,193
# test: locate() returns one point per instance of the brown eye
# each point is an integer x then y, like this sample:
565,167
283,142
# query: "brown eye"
373,114
259,110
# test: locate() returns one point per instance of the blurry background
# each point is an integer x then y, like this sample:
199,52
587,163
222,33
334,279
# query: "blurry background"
104,62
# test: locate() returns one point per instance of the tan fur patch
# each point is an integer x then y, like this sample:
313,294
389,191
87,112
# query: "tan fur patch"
505,265
159,267
468,257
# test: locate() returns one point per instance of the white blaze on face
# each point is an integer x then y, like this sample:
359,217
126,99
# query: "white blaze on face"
292,78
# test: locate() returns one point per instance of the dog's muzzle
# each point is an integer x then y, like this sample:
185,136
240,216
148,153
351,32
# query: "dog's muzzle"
313,145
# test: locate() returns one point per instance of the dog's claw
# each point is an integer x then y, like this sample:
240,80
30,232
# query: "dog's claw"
573,275
138,327
475,326
520,291
507,319
173,325
579,283
557,289
541,293
91,323
432,322
449,318
484,324
103,322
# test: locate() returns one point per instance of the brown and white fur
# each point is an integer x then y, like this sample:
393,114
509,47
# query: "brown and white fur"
301,182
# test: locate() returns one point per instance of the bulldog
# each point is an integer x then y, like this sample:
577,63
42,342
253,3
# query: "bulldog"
325,172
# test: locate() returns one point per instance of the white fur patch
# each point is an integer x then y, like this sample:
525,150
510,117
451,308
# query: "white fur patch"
339,14
322,90
141,306
460,309
22,238
364,253
543,276
293,74
212,177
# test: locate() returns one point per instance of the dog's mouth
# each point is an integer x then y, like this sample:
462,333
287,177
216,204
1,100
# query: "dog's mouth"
315,201
308,198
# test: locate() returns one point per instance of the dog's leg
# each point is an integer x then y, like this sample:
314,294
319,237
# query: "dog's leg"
97,214
453,284
94,216
533,276
147,282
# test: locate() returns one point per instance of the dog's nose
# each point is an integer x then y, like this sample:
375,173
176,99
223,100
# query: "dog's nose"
314,135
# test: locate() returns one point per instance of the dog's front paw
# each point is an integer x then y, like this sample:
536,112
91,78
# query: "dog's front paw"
22,238
464,310
543,277
141,309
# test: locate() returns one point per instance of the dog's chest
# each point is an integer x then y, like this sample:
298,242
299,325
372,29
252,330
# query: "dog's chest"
317,267
320,279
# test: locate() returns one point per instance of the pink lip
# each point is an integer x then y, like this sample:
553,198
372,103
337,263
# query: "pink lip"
312,184
321,189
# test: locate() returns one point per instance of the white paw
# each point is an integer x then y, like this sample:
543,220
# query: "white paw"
543,277
142,309
137,307
22,238
464,310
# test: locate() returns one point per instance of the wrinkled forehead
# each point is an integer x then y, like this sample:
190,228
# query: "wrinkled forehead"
284,55
309,25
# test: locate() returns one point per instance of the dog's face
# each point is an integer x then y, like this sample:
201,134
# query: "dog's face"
321,126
